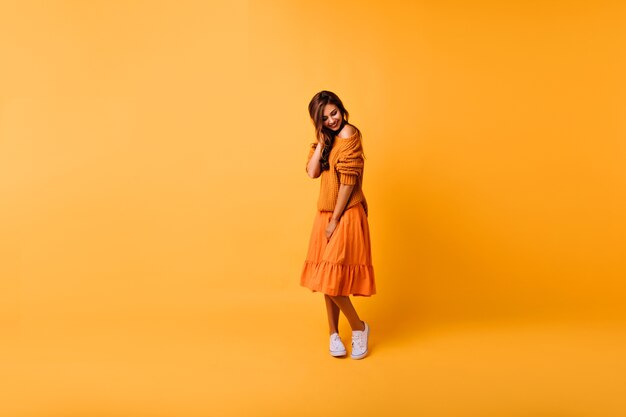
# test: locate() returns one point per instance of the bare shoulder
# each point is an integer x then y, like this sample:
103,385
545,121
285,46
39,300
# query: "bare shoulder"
347,132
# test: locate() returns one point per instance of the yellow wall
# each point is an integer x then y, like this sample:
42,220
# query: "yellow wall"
153,155
155,212
494,136
118,122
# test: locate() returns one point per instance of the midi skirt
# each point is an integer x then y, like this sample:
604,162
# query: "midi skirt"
343,264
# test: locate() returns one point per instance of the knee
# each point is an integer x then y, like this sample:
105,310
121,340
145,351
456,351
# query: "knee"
337,297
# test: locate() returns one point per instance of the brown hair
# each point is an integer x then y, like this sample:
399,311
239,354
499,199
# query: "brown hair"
316,111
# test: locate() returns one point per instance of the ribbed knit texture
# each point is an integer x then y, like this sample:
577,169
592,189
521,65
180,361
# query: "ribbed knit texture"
346,167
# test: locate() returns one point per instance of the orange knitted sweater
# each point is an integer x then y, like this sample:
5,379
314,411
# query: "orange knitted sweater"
346,167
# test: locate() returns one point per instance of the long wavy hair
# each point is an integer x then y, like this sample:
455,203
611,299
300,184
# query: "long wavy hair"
316,111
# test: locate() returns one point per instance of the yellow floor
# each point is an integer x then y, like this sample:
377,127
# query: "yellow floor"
266,355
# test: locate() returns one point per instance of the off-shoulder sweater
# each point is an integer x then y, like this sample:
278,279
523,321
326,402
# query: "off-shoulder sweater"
346,167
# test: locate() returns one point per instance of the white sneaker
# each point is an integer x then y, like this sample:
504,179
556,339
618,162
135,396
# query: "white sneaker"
336,345
359,342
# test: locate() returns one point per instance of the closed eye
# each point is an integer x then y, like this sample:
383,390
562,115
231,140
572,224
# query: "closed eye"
333,113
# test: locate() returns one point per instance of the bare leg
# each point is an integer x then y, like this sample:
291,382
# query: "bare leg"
333,314
344,303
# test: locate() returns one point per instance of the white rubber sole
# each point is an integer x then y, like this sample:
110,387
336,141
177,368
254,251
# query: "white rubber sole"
361,356
337,354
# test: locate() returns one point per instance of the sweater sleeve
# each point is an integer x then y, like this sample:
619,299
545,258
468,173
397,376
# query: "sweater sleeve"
350,163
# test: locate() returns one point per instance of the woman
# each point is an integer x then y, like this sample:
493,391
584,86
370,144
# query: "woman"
339,262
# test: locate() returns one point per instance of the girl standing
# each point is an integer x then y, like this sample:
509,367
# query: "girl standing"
339,261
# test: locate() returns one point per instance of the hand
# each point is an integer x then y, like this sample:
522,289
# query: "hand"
330,229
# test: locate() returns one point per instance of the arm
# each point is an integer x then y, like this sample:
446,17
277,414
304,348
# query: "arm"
313,166
345,191
350,168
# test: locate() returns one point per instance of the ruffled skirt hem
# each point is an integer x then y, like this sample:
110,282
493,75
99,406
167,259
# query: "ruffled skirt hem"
336,279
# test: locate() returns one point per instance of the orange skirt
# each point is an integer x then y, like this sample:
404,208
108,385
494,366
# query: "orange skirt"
343,264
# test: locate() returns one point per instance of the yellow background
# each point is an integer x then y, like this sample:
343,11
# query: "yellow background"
155,212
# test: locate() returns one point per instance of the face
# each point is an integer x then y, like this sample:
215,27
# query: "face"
331,117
